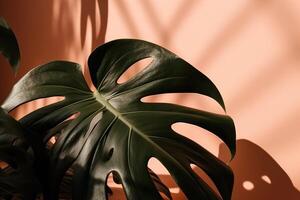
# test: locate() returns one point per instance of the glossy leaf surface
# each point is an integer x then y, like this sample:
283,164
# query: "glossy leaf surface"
114,131
9,45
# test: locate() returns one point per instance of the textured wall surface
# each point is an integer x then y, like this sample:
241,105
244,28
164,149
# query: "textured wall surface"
249,48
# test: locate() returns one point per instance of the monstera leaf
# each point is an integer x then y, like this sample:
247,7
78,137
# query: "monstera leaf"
112,130
17,176
9,45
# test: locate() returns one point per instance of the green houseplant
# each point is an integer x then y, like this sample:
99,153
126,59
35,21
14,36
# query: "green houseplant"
112,130
18,172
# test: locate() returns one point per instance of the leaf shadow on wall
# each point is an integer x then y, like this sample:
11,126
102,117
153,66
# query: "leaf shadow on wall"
47,31
257,175
88,10
118,193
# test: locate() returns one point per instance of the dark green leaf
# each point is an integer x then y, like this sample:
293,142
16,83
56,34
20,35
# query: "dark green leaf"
8,45
116,132
18,178
11,132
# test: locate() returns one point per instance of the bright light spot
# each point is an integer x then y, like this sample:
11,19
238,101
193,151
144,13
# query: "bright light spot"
3,164
53,140
175,190
266,179
248,185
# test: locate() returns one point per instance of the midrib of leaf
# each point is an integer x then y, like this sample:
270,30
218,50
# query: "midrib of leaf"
115,112
119,116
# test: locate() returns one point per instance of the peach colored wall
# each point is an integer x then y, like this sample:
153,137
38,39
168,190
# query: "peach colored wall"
249,48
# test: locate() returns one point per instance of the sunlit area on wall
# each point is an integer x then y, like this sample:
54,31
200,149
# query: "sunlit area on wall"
250,49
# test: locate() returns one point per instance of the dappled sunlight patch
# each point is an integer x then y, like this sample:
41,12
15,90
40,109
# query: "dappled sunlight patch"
266,179
248,185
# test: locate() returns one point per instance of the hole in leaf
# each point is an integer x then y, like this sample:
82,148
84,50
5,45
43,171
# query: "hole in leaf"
53,140
266,179
248,185
114,188
54,133
199,135
75,115
205,178
134,70
3,165
7,169
157,169
192,100
31,106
